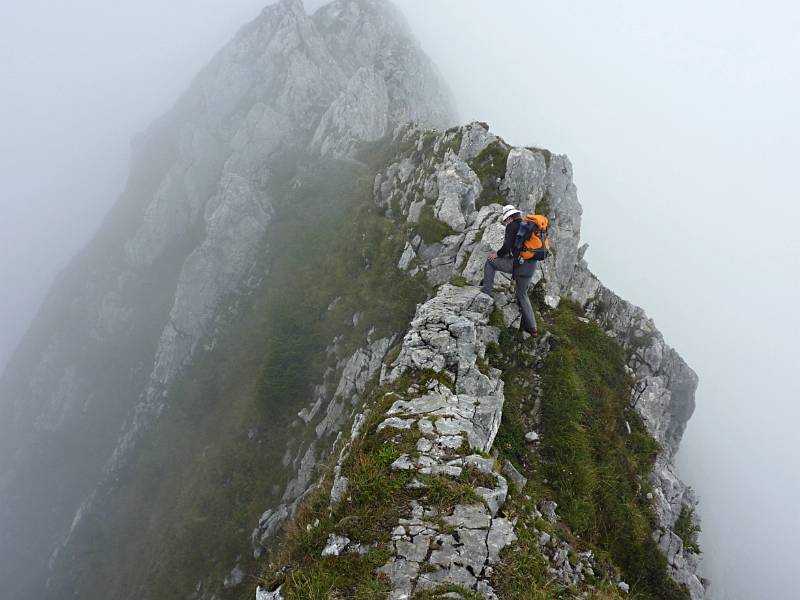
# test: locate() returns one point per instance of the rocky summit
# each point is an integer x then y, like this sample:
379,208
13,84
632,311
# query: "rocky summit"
273,374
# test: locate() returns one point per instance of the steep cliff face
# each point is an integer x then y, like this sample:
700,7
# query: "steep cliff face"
586,420
127,317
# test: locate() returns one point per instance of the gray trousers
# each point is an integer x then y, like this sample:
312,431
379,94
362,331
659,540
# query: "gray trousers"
522,278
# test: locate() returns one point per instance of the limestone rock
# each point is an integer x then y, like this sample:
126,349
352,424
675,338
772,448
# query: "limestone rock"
335,545
531,437
525,178
459,188
360,113
262,594
475,138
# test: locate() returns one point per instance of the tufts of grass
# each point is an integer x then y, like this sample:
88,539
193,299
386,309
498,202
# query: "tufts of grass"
377,497
586,460
430,228
491,162
476,478
543,205
490,167
340,577
688,529
453,145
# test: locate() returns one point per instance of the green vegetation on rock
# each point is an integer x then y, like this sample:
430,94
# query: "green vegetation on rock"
377,497
490,167
192,494
543,205
688,530
448,591
586,460
491,162
430,228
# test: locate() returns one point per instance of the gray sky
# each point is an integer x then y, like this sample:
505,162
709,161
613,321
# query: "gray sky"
680,120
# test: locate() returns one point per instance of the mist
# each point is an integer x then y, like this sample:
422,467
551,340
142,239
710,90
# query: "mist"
680,121
80,79
682,125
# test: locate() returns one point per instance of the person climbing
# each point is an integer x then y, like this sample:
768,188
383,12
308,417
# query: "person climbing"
518,256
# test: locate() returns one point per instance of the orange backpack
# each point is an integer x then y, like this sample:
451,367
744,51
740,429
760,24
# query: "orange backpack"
531,242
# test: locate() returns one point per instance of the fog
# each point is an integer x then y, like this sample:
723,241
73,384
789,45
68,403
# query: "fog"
79,80
681,122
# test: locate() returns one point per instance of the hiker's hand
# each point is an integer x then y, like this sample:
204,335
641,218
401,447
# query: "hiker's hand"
492,256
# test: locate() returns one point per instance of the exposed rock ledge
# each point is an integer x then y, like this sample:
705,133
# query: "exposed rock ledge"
448,334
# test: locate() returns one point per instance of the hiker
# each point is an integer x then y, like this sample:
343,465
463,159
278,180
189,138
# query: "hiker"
518,257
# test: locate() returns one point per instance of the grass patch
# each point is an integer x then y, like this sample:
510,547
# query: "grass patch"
523,571
346,576
490,167
377,497
586,461
431,229
476,478
543,205
487,199
454,145
444,493
688,529
491,162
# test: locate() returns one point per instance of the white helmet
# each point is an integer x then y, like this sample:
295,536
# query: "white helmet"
509,210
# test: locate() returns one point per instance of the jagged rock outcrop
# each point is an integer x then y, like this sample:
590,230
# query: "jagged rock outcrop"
332,406
128,316
440,173
448,334
342,47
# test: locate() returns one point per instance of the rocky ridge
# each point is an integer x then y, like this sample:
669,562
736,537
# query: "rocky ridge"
449,333
444,174
129,315
325,59
315,86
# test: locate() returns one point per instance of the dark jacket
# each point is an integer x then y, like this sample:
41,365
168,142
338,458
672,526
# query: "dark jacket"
511,233
525,269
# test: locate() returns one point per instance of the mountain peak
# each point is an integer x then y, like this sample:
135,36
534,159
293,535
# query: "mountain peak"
189,228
